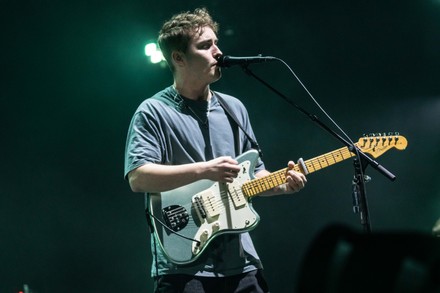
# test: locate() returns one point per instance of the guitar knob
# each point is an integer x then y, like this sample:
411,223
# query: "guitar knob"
215,227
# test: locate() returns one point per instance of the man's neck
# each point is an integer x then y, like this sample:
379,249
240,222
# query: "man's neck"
193,92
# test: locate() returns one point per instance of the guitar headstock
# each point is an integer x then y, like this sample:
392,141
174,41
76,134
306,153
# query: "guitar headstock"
378,143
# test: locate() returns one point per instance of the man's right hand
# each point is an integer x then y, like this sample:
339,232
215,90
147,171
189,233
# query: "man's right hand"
222,169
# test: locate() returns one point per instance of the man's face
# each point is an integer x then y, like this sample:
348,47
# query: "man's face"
201,62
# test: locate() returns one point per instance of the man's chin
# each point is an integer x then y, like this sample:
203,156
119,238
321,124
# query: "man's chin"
218,75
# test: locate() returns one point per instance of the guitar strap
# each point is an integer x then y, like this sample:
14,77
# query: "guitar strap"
231,114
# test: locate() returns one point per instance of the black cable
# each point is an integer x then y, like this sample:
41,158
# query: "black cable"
151,227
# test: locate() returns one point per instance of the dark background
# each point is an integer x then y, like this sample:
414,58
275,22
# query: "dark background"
73,73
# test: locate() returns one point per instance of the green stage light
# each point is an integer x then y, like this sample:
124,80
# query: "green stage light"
153,52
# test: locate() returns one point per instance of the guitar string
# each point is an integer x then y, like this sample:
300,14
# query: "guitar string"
317,164
222,197
260,184
219,203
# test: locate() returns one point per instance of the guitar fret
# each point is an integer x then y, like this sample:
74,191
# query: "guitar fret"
316,164
310,167
347,154
257,186
263,184
280,177
330,160
260,185
325,159
335,159
321,162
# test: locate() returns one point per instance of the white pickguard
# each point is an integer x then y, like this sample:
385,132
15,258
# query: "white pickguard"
225,208
186,219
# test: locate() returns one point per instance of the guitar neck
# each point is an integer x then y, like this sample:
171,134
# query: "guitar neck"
260,185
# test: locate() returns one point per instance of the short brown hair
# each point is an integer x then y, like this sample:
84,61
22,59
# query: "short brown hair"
178,31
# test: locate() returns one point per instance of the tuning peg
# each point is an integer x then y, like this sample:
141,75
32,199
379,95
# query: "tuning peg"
378,135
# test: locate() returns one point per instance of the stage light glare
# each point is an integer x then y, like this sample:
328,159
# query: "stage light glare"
150,49
153,52
156,57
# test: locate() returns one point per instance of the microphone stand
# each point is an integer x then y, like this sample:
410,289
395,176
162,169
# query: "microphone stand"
361,161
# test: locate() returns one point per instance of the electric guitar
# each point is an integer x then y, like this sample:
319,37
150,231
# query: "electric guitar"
188,218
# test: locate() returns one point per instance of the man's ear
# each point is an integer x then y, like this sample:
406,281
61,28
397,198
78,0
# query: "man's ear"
177,58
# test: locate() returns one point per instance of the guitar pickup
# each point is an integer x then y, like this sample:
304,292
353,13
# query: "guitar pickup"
207,204
236,194
210,203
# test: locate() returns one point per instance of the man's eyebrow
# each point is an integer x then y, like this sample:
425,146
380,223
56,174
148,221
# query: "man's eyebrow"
209,40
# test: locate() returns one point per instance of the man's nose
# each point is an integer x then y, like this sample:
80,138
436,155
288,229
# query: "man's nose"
217,51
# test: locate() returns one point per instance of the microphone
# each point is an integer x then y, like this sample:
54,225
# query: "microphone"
227,61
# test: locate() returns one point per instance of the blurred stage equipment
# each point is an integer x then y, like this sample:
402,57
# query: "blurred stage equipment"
436,229
342,260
